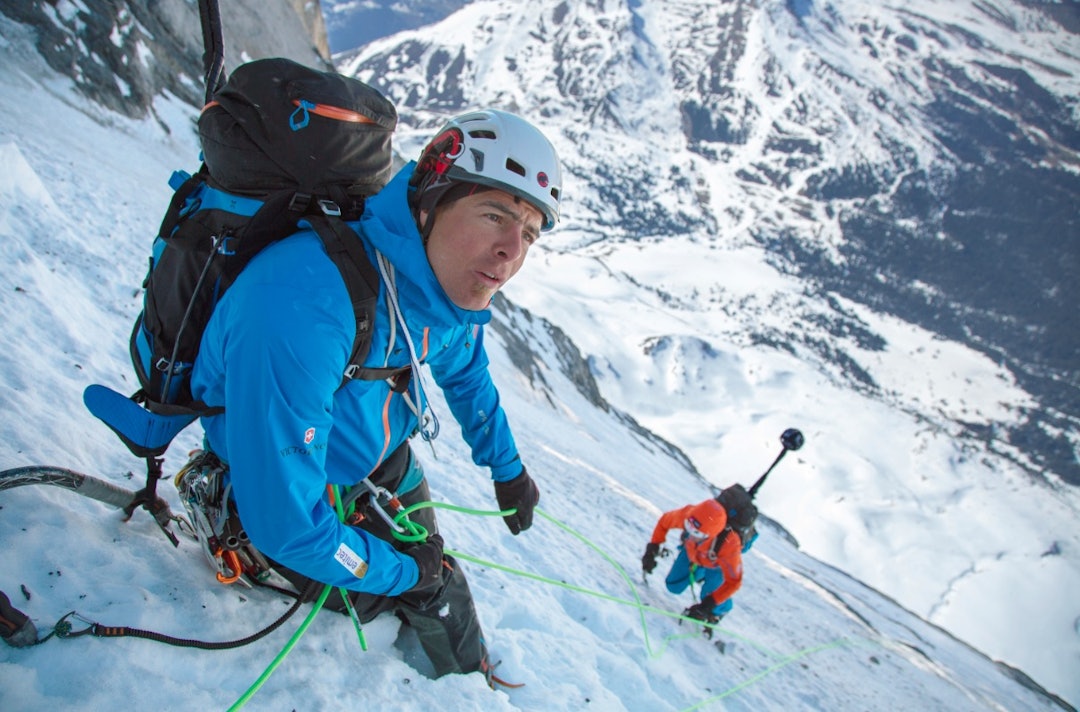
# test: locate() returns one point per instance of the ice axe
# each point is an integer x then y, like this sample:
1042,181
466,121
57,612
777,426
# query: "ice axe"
790,439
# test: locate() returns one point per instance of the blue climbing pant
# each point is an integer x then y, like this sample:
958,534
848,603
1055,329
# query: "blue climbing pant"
679,576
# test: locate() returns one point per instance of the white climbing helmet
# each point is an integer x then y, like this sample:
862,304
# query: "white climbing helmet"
495,149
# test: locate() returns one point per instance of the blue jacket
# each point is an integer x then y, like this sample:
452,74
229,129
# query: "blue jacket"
273,355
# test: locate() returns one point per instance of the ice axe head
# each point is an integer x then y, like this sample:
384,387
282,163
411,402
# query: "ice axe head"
791,439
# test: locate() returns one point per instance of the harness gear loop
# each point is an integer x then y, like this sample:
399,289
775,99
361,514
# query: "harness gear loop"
205,494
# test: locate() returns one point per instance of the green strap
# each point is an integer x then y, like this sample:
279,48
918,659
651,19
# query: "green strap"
304,626
284,652
345,594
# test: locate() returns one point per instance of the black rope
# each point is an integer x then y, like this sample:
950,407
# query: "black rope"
64,629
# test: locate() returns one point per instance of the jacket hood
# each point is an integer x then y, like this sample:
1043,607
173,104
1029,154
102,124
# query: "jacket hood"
389,227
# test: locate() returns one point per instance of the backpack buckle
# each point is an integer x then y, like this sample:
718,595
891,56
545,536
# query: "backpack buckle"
223,245
166,366
399,382
330,208
299,202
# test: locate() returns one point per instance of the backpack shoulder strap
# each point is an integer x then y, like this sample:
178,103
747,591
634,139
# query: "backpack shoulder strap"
362,281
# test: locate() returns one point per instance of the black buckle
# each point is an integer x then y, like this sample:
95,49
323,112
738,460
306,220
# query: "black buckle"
300,202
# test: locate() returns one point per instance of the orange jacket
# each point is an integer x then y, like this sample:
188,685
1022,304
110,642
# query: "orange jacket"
727,557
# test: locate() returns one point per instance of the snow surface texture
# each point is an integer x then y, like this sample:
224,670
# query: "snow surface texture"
82,192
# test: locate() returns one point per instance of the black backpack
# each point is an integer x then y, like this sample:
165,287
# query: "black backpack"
282,144
741,512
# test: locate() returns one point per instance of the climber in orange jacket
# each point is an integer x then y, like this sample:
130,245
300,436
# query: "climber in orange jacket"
713,538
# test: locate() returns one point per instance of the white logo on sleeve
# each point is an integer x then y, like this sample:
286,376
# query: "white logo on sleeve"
350,560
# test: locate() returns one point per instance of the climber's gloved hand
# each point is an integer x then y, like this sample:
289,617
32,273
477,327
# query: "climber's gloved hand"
522,494
648,561
432,569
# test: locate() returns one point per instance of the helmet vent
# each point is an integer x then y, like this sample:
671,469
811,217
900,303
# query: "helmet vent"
482,133
515,167
478,159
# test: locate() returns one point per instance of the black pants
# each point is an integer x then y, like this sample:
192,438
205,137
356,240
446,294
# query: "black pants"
453,640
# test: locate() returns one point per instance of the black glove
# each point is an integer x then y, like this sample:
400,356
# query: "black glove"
703,612
648,562
429,561
522,494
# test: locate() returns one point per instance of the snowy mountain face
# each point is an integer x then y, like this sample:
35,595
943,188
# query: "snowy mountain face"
922,162
772,218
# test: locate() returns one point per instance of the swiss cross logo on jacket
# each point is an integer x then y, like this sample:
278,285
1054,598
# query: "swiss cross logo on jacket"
309,435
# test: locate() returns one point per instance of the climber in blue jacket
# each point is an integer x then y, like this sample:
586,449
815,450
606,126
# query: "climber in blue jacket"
445,234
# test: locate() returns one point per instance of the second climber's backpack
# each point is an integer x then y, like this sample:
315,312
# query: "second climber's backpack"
741,512
283,146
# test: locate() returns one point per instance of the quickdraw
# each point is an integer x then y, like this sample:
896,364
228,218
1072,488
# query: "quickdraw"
201,483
